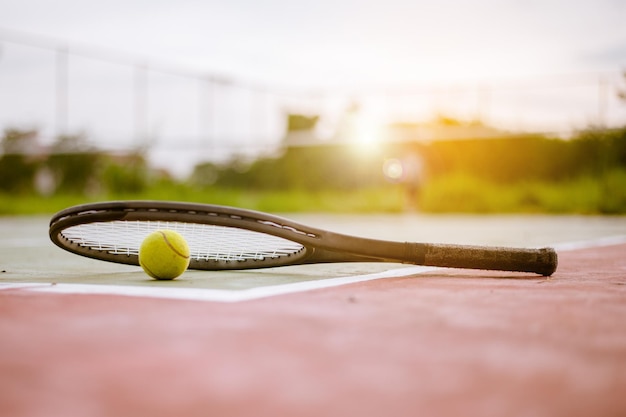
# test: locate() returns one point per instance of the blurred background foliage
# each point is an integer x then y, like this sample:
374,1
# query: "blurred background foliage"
524,173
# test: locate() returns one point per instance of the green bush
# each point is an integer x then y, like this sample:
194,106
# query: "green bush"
18,162
74,166
127,175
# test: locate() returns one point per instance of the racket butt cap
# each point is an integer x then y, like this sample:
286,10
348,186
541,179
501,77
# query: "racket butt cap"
550,261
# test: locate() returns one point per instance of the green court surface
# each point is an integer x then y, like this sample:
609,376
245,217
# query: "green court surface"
28,258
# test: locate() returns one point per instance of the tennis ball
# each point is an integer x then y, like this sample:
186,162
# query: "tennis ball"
164,254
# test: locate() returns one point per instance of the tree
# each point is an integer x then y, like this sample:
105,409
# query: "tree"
19,163
74,165
621,92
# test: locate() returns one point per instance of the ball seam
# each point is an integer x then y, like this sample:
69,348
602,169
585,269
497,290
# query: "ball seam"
172,247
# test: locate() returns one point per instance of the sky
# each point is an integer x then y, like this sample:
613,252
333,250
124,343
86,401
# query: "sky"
325,45
344,42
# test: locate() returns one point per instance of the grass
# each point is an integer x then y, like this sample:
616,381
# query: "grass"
362,201
604,194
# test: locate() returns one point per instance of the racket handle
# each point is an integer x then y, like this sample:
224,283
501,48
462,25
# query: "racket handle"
541,261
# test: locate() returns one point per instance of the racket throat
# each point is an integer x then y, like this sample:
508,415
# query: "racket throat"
318,255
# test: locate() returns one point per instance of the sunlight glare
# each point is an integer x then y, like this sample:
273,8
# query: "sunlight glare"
393,169
366,133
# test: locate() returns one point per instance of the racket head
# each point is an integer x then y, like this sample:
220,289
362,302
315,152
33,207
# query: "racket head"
219,237
222,238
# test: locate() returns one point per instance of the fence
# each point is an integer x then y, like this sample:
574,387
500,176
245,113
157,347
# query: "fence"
119,101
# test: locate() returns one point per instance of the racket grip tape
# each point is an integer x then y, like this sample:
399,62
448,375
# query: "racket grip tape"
540,261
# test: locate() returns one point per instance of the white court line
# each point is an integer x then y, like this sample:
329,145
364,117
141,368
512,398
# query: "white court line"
591,243
19,285
230,296
203,294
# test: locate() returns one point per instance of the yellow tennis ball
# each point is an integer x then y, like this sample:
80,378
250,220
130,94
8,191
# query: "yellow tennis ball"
164,254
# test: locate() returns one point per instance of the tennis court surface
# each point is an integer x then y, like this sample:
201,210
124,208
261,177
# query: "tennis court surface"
80,337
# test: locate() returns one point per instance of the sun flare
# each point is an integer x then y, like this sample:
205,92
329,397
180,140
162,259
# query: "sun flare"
364,131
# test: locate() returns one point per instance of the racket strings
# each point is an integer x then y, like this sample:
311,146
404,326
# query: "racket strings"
206,242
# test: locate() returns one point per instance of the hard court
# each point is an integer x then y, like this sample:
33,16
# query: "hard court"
80,337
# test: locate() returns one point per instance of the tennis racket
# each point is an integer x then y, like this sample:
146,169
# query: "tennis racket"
227,238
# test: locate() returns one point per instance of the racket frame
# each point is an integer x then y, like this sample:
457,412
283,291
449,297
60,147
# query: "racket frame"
318,245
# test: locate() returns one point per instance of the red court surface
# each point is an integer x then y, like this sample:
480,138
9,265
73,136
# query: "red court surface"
441,343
